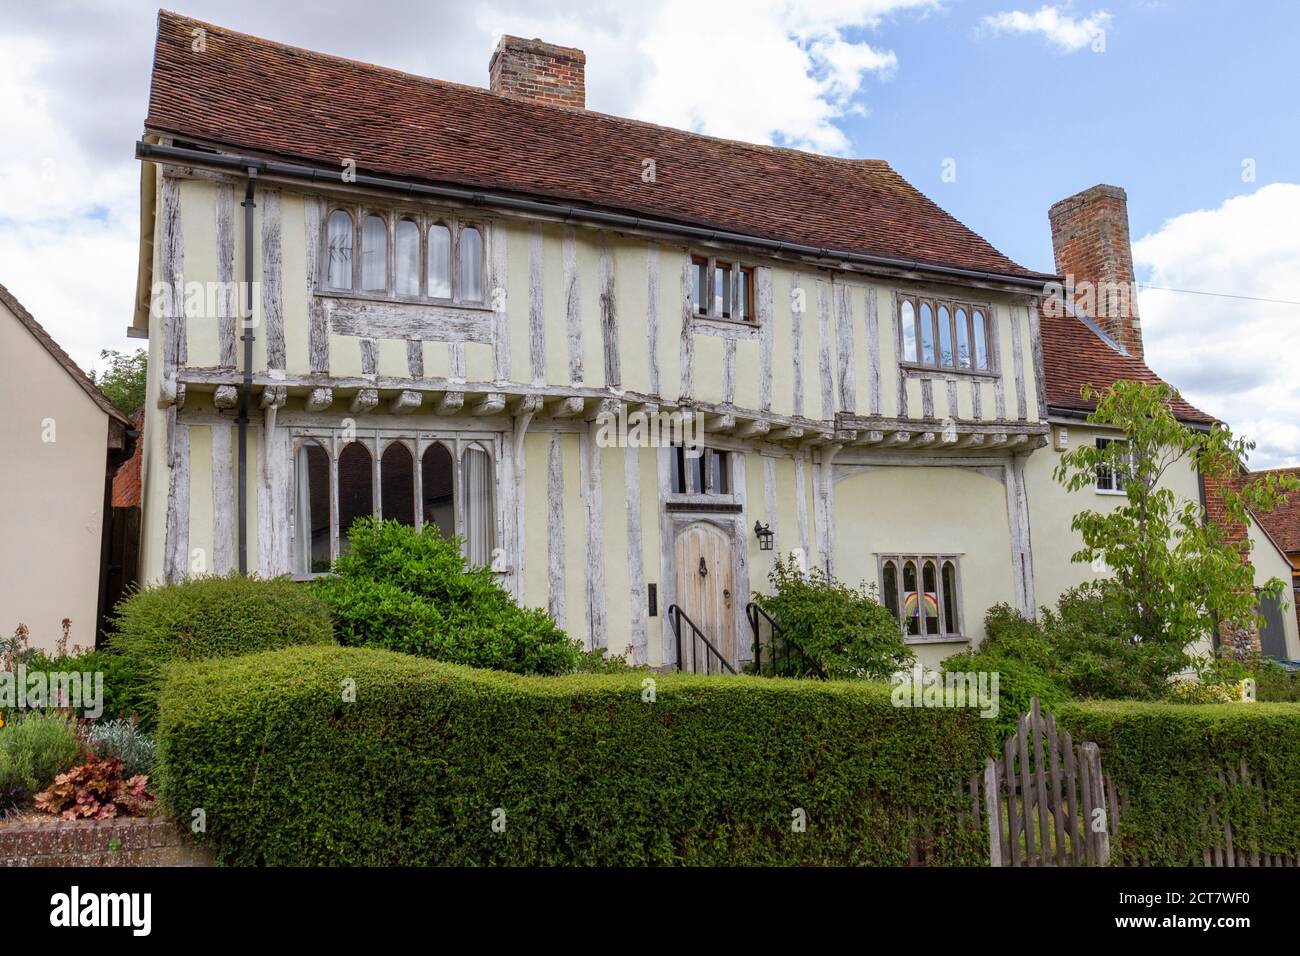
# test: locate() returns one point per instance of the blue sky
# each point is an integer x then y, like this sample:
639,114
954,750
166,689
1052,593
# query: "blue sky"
1029,102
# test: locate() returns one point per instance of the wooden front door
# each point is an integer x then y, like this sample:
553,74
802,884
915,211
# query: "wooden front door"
706,592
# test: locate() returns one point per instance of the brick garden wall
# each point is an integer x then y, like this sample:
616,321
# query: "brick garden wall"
137,841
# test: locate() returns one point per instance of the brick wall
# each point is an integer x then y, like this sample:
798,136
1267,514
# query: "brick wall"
136,841
1239,641
1091,242
539,72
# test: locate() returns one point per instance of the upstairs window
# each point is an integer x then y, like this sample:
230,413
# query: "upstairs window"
943,334
1110,474
338,246
708,473
419,258
722,290
923,594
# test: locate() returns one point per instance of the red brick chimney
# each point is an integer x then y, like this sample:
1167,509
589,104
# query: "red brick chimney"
539,72
1091,243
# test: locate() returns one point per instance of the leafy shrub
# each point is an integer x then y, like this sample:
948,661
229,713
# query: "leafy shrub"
598,662
123,695
96,790
845,630
1077,651
209,617
585,770
410,590
1183,690
122,740
1166,761
1273,682
34,749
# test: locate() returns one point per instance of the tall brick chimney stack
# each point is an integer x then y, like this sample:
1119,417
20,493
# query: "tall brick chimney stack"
1091,243
539,72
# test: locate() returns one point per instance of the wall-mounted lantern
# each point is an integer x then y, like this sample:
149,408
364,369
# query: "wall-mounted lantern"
765,536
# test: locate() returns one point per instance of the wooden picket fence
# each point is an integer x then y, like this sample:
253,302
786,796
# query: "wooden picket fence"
1048,802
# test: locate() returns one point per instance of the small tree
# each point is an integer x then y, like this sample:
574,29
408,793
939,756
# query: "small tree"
123,382
1174,572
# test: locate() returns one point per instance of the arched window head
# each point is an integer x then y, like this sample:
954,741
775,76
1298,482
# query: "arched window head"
889,587
963,340
438,489
356,489
374,254
397,484
469,276
311,538
480,518
927,334
907,319
406,261
439,261
339,250
981,347
945,336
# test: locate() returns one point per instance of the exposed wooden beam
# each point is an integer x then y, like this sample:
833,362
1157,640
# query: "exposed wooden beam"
365,400
405,402
320,399
449,403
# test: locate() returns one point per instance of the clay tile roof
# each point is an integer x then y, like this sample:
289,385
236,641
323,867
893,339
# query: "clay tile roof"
1283,522
1074,355
126,482
252,94
60,356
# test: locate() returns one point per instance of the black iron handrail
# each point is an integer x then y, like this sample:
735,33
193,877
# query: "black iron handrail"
753,611
675,616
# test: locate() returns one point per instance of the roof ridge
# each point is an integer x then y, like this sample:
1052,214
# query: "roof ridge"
485,91
63,358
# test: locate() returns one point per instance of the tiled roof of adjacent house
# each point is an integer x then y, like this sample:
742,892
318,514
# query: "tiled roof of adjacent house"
127,487
1283,522
248,93
1074,355
60,356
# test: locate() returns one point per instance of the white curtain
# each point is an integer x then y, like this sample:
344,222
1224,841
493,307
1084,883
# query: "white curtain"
302,517
479,520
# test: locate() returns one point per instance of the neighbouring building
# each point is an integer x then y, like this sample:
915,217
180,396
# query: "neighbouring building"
63,442
457,289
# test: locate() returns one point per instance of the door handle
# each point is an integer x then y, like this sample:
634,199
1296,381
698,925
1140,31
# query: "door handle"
704,569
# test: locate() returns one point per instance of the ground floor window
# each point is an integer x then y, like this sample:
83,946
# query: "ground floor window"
923,592
447,481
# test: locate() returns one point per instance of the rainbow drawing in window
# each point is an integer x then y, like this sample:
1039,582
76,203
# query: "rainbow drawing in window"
912,607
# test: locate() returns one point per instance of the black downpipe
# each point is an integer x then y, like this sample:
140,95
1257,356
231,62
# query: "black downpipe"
246,390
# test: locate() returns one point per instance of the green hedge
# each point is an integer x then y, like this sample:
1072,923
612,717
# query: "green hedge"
1165,758
208,617
587,772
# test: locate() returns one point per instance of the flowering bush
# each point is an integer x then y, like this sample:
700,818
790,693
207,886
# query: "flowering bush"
97,790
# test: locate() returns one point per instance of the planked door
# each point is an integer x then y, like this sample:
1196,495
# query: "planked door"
706,591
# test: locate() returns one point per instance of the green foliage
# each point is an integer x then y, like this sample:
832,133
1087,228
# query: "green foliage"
1273,682
123,382
586,769
1174,572
124,679
598,662
1166,759
410,590
34,749
122,740
1078,651
843,629
96,790
209,617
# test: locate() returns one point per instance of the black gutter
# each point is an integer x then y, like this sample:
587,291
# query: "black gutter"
315,174
246,389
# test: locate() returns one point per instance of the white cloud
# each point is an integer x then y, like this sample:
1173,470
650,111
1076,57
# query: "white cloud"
1231,357
805,62
68,222
1060,29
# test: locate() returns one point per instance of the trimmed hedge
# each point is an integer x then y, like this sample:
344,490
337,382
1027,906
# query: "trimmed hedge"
208,617
1165,759
585,770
